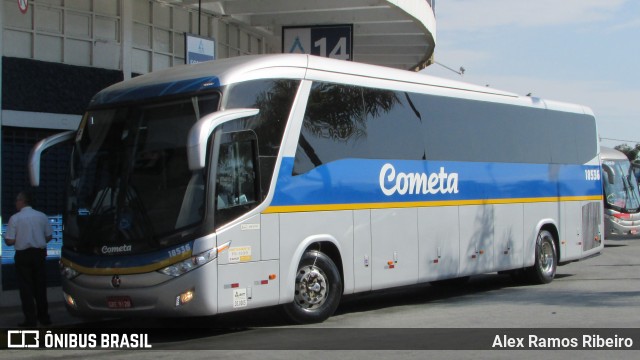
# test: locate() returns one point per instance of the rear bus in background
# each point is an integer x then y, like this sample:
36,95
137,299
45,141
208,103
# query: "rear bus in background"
293,180
622,199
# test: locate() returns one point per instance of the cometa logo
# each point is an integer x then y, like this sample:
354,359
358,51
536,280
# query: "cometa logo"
116,249
417,183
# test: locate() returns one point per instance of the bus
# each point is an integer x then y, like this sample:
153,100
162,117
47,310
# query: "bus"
622,198
295,180
635,168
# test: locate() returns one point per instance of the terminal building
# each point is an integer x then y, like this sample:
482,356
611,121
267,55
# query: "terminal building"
57,54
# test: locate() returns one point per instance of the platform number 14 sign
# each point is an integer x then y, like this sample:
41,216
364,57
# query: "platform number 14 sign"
333,41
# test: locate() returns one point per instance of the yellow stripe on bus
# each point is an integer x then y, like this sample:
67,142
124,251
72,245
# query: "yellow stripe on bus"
410,204
126,270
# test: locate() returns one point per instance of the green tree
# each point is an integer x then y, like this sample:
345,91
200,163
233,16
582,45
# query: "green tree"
340,113
630,152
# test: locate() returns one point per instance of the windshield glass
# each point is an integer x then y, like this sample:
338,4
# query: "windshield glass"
130,182
620,186
130,187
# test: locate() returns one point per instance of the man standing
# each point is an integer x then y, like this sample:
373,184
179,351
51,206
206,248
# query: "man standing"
29,231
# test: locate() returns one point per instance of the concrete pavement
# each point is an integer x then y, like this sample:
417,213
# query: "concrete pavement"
11,312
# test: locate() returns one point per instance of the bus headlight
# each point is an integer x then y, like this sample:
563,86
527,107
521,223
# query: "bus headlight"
192,263
67,271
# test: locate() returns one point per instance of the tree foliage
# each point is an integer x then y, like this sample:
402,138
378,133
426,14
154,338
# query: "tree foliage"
340,112
630,152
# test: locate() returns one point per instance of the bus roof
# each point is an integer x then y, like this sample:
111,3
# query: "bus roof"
203,76
607,153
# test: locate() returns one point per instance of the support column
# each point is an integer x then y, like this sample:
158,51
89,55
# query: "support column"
126,33
2,5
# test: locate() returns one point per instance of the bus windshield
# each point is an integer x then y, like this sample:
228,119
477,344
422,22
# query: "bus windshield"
130,184
620,187
131,189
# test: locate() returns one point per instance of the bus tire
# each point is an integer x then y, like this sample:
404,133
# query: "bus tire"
318,289
544,269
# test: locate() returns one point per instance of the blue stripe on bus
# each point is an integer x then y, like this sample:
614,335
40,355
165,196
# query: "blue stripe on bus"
155,90
358,181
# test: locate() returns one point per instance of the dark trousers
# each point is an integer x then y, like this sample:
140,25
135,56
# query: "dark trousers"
31,273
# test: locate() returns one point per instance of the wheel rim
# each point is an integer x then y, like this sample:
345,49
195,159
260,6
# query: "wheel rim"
312,288
547,257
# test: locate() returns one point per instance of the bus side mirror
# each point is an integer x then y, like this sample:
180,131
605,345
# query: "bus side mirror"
200,132
39,148
611,179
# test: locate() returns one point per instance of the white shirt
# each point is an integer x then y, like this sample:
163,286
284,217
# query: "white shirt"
30,228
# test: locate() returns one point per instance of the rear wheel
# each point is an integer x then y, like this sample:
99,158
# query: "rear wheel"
318,289
544,269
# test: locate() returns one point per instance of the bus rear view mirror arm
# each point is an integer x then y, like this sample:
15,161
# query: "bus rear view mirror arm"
200,132
39,148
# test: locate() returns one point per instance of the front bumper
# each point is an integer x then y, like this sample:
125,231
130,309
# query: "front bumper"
143,295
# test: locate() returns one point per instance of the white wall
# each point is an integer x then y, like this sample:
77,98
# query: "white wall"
136,35
76,32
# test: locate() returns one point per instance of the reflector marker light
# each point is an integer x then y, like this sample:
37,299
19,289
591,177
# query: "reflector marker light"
223,247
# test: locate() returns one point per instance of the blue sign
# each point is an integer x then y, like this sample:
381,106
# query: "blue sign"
198,49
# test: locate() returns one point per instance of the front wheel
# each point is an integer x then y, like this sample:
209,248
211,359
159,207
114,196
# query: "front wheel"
318,289
544,269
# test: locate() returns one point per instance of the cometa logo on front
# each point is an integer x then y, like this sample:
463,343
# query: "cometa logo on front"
417,183
116,249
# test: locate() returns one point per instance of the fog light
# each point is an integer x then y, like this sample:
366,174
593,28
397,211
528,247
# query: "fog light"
69,300
185,297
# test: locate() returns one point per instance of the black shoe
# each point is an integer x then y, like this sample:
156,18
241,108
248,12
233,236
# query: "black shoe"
27,324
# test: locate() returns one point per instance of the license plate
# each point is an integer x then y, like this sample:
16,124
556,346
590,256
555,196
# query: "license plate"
119,302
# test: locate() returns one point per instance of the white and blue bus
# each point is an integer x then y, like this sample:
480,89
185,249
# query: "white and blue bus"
621,195
294,180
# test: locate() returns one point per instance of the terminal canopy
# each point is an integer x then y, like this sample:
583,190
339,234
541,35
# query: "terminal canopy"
394,33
